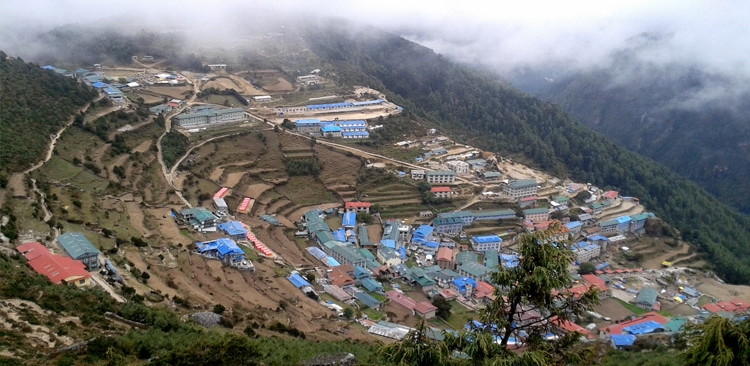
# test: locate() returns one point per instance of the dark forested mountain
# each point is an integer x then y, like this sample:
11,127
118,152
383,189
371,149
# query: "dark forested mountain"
692,121
34,103
478,110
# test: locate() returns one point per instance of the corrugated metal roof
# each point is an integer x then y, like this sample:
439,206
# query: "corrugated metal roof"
76,245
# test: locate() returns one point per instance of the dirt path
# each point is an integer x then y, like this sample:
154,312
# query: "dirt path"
98,154
143,147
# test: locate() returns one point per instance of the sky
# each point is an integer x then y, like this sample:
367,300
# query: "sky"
714,35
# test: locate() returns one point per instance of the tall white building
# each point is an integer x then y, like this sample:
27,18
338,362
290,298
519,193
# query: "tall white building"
458,166
441,176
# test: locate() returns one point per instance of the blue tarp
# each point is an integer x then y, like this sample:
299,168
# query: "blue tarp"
462,282
643,328
402,251
602,266
622,340
222,246
339,235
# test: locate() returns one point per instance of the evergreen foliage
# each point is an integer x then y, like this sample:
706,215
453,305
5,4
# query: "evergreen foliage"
173,146
34,104
480,111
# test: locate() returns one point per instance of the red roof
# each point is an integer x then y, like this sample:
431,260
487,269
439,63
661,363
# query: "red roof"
617,328
356,204
54,267
728,306
445,254
32,250
569,326
448,294
424,307
595,281
401,299
610,195
483,290
440,189
526,199
339,277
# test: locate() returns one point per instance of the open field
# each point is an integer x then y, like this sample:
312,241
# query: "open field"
176,92
281,85
305,191
614,309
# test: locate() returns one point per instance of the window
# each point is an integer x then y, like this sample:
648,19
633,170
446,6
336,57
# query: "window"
81,282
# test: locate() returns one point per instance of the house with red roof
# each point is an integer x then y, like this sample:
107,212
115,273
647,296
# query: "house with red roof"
732,306
441,192
341,275
645,318
598,282
357,207
58,269
567,326
610,195
444,258
401,299
425,310
484,292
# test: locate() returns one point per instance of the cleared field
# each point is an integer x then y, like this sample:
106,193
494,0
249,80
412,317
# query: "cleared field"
225,100
612,308
57,169
306,191
176,92
147,98
281,85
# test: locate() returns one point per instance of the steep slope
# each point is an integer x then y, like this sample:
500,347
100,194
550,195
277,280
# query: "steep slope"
34,103
692,121
492,116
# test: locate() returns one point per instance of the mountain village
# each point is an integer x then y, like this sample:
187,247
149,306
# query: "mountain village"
350,260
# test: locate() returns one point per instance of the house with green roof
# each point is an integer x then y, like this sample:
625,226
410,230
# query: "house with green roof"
79,248
199,218
474,271
646,298
466,257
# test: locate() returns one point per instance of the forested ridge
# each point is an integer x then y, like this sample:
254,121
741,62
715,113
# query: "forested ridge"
34,103
659,112
472,107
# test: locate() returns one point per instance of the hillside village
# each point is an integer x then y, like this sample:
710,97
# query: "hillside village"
371,258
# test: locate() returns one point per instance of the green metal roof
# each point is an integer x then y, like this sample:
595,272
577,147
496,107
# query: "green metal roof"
475,269
76,245
494,213
466,257
675,324
532,211
522,183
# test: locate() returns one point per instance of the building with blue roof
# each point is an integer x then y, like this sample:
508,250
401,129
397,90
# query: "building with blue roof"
297,280
100,85
372,285
307,125
422,234
356,135
622,341
317,253
234,229
224,249
509,260
485,242
361,273
328,106
349,220
330,131
574,227
331,262
339,235
367,103
447,225
367,300
644,328
623,224
637,222
388,243
464,285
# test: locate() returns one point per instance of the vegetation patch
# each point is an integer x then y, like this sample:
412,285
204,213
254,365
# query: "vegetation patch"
306,191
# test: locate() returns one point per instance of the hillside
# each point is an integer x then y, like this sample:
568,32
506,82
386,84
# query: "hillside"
483,112
687,119
33,99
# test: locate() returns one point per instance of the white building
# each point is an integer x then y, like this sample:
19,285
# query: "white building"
440,176
210,116
262,98
520,188
458,166
417,174
221,207
586,253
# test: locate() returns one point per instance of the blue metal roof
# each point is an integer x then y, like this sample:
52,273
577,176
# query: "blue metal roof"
357,133
99,85
371,285
597,238
623,219
330,128
486,239
297,280
462,282
303,122
339,235
332,262
402,251
317,253
223,246
366,103
573,224
431,244
233,228
423,231
329,105
602,265
366,299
